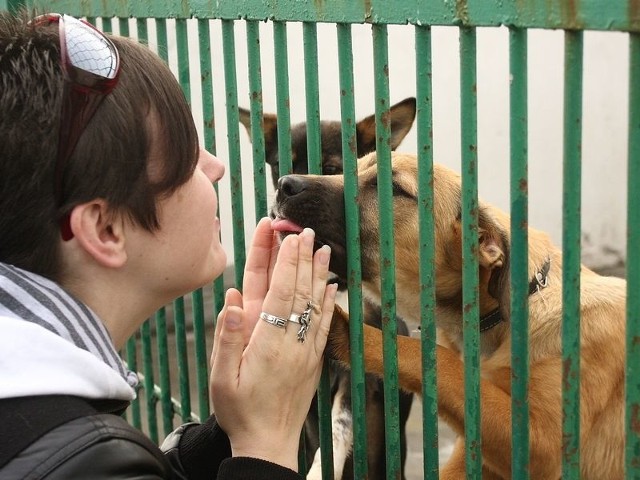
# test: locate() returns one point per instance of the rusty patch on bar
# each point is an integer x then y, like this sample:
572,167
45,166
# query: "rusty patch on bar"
353,146
367,11
634,15
569,13
523,185
462,11
634,421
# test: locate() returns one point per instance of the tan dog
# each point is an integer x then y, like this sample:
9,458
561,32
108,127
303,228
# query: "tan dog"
317,202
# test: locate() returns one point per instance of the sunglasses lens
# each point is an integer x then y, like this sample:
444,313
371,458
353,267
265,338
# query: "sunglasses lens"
88,49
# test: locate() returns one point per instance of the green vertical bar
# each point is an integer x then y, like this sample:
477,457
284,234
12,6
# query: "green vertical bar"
387,251
233,136
12,5
107,25
632,449
426,232
257,135
519,255
123,23
182,359
200,345
314,163
312,96
354,275
162,40
147,362
166,407
470,272
209,127
143,31
132,364
182,44
206,75
206,82
282,97
152,417
571,255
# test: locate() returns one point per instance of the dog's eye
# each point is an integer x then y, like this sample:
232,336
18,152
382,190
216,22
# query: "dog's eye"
398,191
331,170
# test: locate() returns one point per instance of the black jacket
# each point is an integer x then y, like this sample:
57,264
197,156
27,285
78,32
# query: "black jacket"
69,438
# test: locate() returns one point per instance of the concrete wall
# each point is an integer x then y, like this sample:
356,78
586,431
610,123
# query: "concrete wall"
604,135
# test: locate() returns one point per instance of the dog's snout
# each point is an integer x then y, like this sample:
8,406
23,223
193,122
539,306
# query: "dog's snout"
291,185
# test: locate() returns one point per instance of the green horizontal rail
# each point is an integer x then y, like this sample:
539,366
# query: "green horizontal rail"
621,15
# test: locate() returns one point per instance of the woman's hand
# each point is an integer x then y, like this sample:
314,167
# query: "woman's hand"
263,378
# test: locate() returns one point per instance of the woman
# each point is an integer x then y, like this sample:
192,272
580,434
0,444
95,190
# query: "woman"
106,208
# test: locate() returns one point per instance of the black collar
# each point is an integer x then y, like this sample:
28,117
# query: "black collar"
539,281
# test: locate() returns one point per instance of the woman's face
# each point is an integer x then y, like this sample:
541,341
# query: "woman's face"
185,253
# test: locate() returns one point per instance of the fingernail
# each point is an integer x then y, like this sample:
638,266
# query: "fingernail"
324,254
308,236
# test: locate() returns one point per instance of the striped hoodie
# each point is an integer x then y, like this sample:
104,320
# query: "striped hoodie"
51,343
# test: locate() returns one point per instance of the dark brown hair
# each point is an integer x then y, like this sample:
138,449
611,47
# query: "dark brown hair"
140,145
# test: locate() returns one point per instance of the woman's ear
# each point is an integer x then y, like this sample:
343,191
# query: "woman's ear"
99,232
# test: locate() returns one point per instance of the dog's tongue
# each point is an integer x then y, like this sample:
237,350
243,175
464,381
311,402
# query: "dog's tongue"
284,225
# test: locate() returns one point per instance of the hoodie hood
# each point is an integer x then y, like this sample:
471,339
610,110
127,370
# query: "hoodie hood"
51,343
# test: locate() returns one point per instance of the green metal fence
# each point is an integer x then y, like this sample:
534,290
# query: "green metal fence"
519,16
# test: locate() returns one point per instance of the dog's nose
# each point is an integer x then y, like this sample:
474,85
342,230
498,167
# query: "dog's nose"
291,185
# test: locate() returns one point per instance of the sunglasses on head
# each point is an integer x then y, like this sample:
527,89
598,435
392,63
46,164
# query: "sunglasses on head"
91,64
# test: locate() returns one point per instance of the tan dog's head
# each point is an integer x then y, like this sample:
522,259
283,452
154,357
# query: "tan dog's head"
318,202
401,117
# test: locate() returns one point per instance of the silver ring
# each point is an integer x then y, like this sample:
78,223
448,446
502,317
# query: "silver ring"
274,320
294,318
304,320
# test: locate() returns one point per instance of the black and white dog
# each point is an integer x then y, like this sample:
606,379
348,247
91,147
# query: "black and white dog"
402,116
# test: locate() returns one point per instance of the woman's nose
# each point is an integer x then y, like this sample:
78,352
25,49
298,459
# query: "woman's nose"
210,165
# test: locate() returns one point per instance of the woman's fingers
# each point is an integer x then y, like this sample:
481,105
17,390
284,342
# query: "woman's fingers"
328,306
260,259
232,298
278,301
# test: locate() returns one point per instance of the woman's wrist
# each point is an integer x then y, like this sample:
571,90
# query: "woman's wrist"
283,453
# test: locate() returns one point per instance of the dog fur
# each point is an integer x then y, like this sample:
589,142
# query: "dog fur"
602,331
402,116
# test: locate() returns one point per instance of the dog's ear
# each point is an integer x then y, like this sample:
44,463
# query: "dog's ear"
401,114
493,256
245,120
269,127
